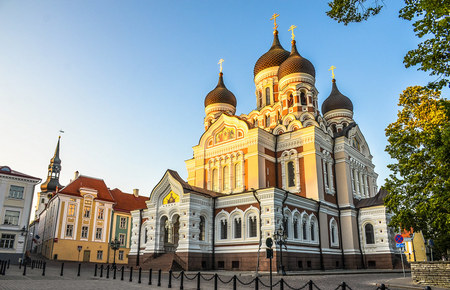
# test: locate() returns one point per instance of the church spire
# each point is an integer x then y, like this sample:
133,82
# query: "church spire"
54,168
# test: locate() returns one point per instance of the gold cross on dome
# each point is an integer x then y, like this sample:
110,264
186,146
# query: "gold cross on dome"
274,18
332,68
220,63
292,30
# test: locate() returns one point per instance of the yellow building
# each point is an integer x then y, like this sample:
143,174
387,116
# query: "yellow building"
415,248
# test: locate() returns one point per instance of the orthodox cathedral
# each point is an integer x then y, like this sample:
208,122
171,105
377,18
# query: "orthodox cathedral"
289,170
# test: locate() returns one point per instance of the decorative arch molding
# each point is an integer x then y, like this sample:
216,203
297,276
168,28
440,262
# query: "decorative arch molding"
288,119
286,157
280,129
294,125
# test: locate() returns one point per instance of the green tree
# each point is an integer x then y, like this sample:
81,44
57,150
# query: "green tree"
419,186
431,23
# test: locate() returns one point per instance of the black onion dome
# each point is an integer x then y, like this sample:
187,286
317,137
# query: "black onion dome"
220,94
274,57
295,64
336,100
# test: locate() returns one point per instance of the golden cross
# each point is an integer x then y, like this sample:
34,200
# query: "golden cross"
332,68
220,63
274,18
292,30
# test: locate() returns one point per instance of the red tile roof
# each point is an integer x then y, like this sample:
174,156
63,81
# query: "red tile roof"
82,181
8,171
127,202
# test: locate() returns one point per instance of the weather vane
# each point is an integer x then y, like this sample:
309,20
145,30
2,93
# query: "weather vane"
332,68
60,132
292,30
220,63
274,18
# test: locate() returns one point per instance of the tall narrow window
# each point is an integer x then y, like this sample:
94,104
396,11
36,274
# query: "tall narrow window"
267,96
333,233
237,175
370,236
303,99
252,226
260,99
286,226
215,180
290,101
201,226
226,178
325,173
87,211
304,230
268,121
313,229
237,228
84,232
122,239
295,228
100,213
98,233
291,174
145,236
71,210
69,230
223,229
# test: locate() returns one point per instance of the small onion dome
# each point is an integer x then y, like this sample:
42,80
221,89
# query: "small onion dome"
220,95
336,101
274,57
295,64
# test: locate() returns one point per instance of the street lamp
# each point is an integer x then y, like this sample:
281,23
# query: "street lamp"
280,237
115,244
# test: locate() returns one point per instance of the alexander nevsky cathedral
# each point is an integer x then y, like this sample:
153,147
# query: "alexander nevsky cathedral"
294,171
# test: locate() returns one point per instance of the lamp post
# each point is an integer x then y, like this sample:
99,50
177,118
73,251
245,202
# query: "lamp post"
280,237
115,244
24,233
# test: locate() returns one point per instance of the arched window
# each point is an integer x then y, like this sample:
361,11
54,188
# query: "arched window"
252,226
215,180
304,230
226,178
201,226
303,99
295,228
286,226
268,121
146,236
237,228
334,233
290,101
237,175
370,235
267,96
333,128
313,229
291,174
223,229
260,99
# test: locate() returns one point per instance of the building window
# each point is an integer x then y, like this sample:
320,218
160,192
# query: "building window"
226,178
303,99
99,255
69,230
260,99
98,233
123,222
201,226
238,175
370,235
268,121
16,192
223,229
87,211
312,231
325,173
7,241
267,96
295,228
252,223
291,174
71,210
145,236
120,256
237,228
84,232
333,233
286,227
290,101
11,217
100,213
304,231
122,239
215,180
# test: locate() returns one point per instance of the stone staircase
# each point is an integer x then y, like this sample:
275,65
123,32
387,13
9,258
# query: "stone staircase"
165,262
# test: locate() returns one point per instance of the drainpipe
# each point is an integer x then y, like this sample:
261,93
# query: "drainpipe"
322,267
54,231
276,161
260,229
110,234
213,257
139,238
359,240
338,208
284,230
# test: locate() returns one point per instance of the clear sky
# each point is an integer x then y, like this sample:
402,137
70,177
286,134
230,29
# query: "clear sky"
126,80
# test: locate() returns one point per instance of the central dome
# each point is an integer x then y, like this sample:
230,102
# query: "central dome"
295,64
220,94
274,57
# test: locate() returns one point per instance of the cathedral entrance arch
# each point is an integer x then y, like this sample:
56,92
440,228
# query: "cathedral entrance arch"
169,233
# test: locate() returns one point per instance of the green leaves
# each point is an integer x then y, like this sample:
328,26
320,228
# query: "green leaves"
419,187
347,11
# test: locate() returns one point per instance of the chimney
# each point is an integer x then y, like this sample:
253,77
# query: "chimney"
76,175
136,192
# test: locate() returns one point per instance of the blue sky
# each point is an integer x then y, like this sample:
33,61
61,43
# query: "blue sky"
126,80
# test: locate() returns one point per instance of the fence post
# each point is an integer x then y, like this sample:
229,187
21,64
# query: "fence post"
170,279
8,263
150,277
2,264
131,274
121,275
382,287
101,270
32,264
181,280
24,269
79,269
115,269
310,283
344,286
256,283
427,288
234,282
159,277
95,271
62,269
215,281
4,268
140,273
281,284
43,268
107,272
198,281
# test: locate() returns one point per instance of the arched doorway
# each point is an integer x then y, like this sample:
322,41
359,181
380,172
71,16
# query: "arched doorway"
170,233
